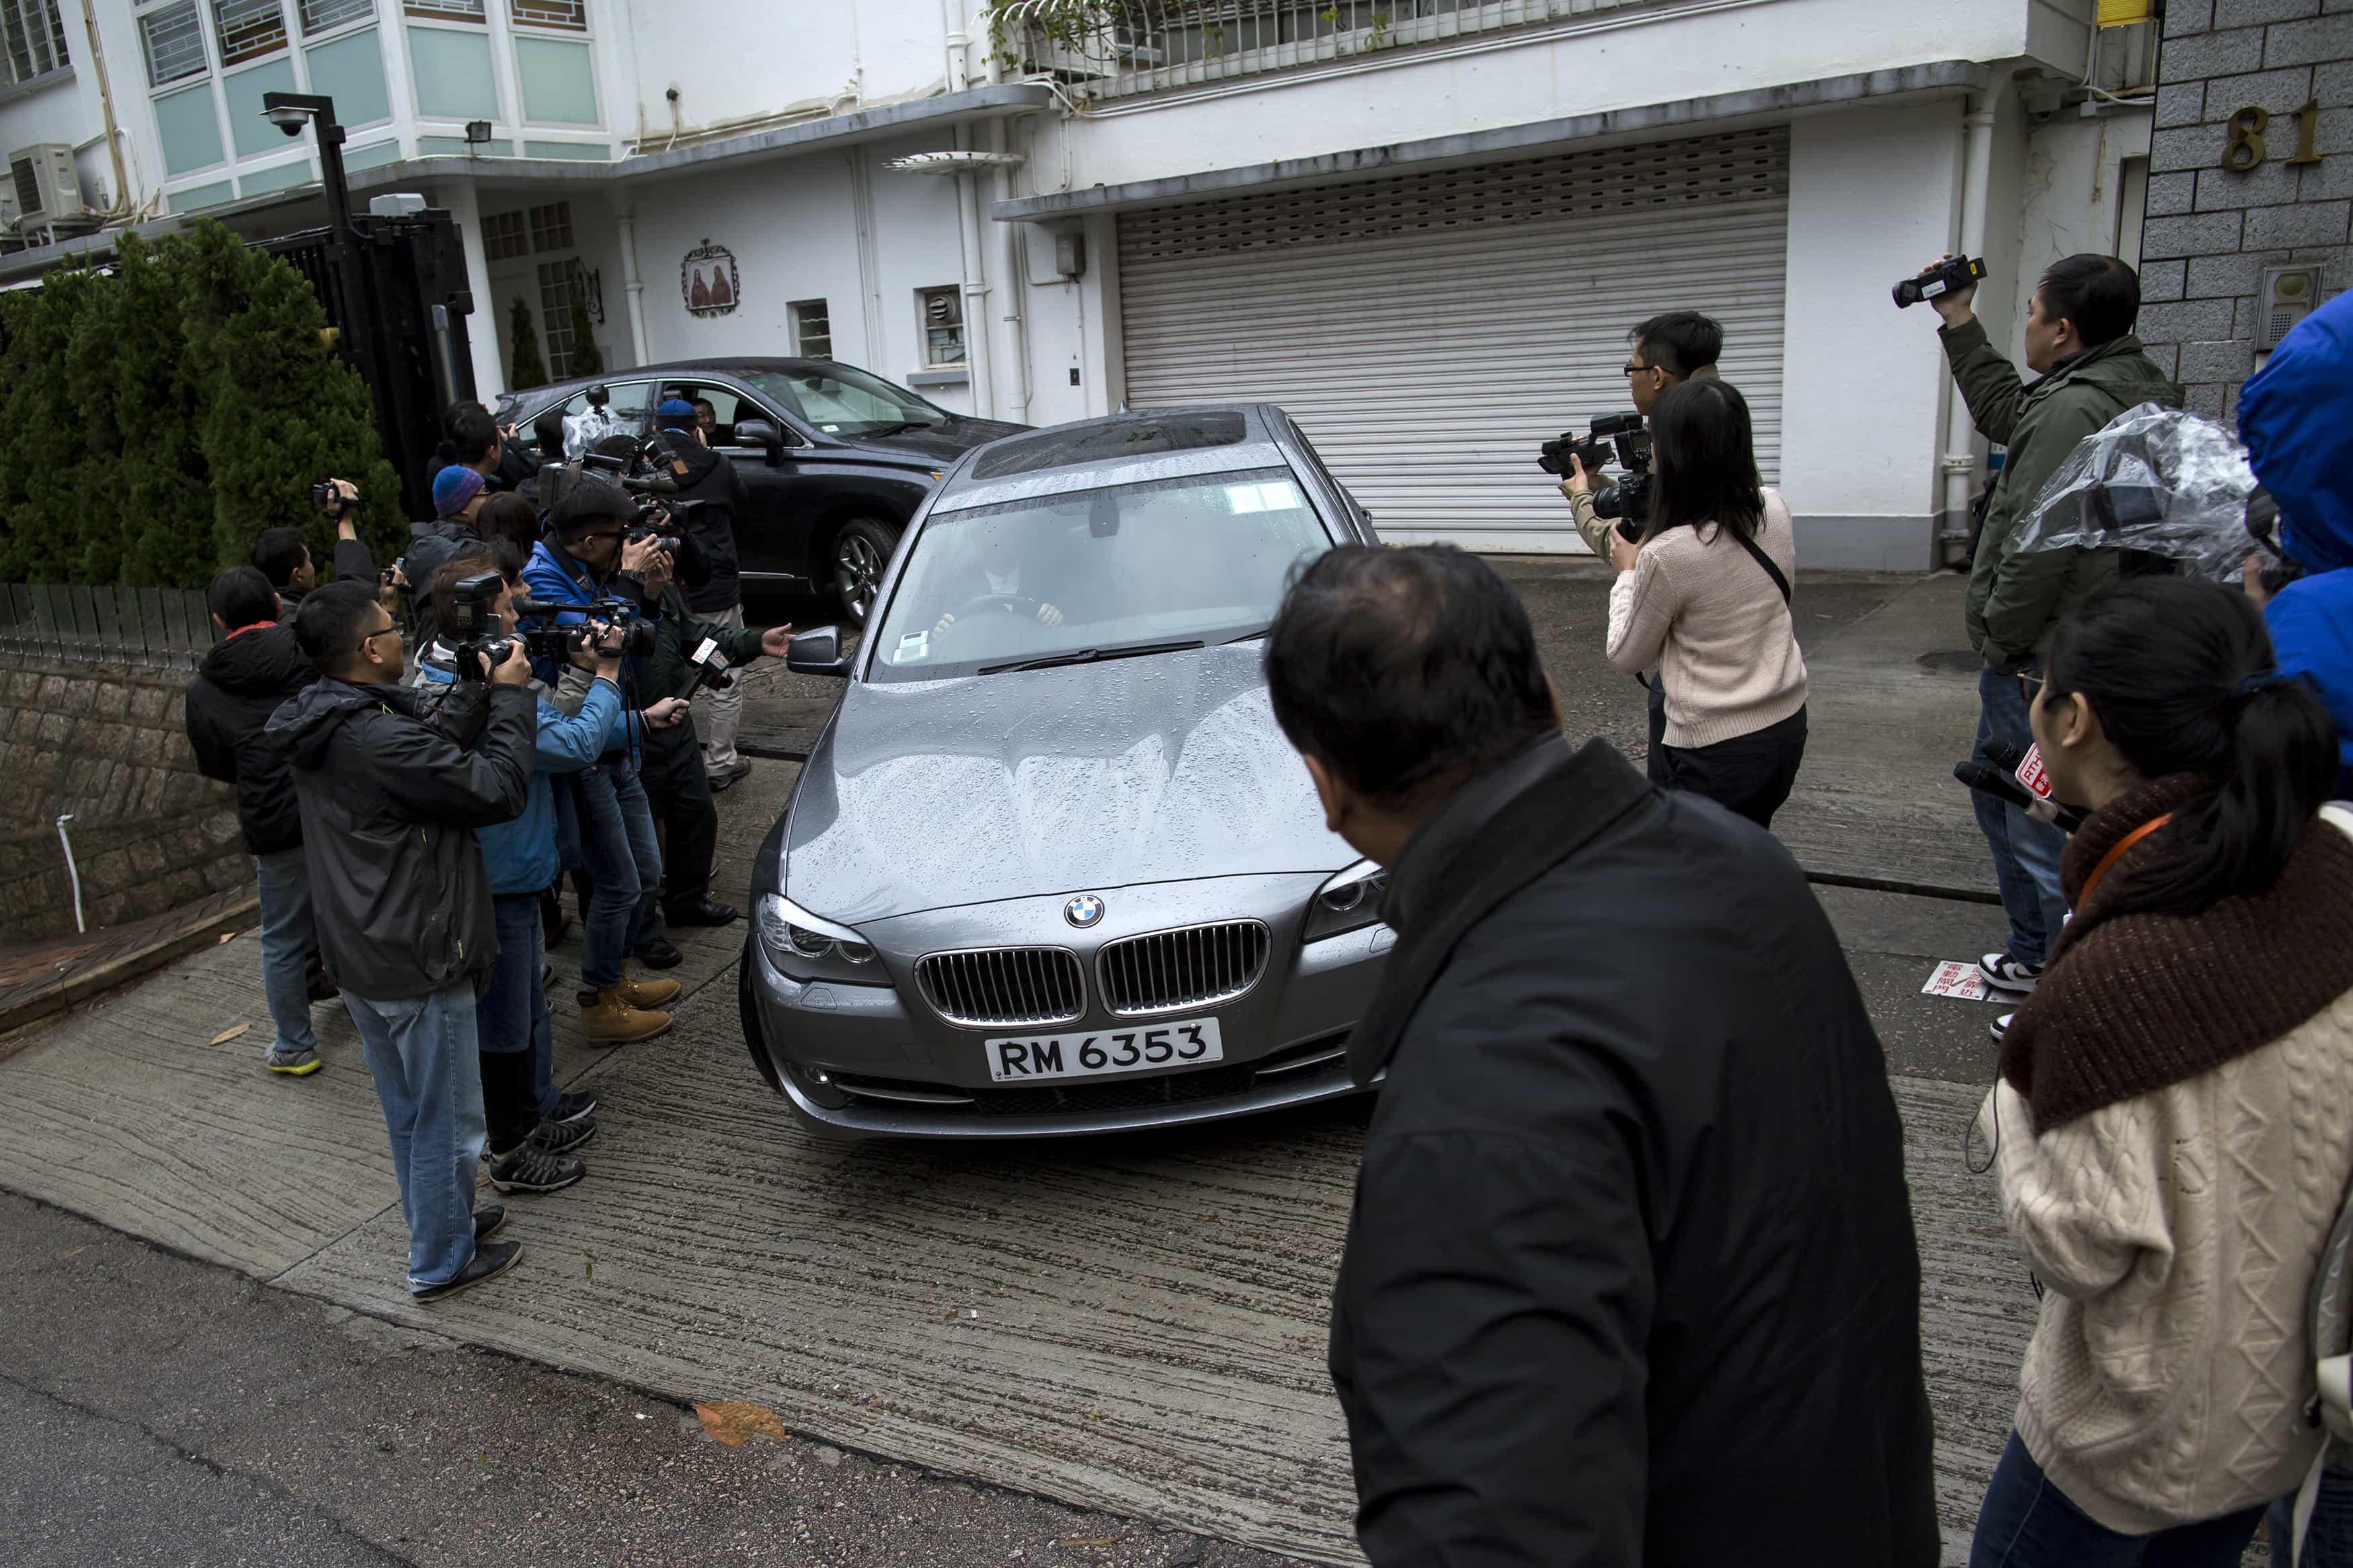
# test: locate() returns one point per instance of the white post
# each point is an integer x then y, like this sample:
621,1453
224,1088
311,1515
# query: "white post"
625,226
485,330
1960,462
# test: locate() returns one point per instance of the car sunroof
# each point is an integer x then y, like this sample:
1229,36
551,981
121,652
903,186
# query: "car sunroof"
1138,437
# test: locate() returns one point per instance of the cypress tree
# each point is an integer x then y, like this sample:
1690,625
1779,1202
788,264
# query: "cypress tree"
525,369
586,358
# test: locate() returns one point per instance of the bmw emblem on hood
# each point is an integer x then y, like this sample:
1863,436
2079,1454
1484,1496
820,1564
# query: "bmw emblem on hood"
1083,910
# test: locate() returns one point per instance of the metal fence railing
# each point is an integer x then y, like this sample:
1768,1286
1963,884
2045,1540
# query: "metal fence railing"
1113,48
164,628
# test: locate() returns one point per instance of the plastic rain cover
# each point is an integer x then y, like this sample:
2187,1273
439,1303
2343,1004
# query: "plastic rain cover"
2155,479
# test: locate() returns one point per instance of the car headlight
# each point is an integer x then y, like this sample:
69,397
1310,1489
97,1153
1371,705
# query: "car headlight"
1349,900
810,947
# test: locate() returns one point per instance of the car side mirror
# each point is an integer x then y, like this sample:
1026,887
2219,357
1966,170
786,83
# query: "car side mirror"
761,434
816,652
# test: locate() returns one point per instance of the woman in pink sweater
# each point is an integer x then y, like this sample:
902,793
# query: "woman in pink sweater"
1705,597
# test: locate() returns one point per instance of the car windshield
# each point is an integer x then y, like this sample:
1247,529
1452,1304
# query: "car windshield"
1096,571
841,401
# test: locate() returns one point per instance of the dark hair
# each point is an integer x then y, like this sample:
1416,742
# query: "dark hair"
1405,671
1705,456
587,498
2099,293
242,596
507,516
2182,675
467,434
456,570
1679,342
330,622
616,444
549,431
279,552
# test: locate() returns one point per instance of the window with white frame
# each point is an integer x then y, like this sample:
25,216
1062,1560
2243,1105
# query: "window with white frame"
317,16
551,227
173,39
560,283
34,38
941,311
447,10
248,29
569,14
505,236
812,329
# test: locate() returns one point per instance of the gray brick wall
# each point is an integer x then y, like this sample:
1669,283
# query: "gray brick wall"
2210,231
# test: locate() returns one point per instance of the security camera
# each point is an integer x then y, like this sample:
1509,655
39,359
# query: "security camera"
290,121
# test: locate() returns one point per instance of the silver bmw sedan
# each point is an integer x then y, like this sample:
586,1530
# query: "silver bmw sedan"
1052,867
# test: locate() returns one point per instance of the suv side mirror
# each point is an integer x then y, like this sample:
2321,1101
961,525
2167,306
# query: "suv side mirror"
816,652
761,434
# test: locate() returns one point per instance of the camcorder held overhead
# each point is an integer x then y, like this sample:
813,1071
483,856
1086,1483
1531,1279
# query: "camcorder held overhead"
1953,272
1621,438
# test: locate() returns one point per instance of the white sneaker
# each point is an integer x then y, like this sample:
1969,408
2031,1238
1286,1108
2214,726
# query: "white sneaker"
2001,1026
2007,975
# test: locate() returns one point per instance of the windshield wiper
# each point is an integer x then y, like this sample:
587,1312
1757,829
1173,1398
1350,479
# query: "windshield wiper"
1092,655
1248,635
904,425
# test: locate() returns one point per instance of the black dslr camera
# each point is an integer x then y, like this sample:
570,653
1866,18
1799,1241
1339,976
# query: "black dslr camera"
1953,272
1621,439
470,623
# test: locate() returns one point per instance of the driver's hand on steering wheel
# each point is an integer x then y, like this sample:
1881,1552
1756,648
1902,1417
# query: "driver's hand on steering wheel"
1048,615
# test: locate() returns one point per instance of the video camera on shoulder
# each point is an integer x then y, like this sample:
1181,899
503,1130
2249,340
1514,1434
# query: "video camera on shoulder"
1619,439
1953,272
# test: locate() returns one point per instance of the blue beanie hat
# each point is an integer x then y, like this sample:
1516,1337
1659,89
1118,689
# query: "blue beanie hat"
453,487
676,409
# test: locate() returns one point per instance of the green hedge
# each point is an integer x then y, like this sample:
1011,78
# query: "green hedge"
154,417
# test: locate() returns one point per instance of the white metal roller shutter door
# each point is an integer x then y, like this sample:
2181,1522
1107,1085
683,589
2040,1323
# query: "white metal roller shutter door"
1430,331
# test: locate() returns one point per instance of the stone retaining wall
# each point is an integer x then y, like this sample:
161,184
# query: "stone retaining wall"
106,743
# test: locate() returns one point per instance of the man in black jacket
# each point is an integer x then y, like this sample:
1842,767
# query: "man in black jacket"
1631,1276
252,669
708,481
403,901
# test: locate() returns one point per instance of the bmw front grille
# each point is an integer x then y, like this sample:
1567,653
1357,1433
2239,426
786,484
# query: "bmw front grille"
1013,988
1171,970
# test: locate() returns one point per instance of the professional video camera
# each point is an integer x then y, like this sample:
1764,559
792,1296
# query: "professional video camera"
1619,437
1953,272
637,636
469,622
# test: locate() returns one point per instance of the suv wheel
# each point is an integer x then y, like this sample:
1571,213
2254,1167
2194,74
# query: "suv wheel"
860,551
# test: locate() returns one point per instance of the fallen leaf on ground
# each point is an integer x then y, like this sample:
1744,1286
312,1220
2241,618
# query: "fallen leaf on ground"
1088,1540
226,1035
78,1251
734,1422
226,936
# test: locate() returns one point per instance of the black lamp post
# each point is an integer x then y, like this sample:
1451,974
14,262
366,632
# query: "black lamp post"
290,112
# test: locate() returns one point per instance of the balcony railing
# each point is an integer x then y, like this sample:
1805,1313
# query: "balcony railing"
1116,48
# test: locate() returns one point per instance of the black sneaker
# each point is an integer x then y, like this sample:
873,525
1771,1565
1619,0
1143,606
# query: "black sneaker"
2005,975
556,1137
1999,1028
531,1169
487,1263
656,953
487,1223
571,1106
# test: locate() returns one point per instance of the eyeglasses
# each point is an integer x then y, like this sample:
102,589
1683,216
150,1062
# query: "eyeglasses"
2029,685
391,631
1638,369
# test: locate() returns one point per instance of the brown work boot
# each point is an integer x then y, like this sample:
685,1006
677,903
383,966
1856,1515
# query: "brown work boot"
608,1019
646,993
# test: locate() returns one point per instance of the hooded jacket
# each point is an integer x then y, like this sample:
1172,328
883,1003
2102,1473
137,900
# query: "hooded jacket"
431,546
389,805
240,683
707,476
2295,415
1630,1275
2015,597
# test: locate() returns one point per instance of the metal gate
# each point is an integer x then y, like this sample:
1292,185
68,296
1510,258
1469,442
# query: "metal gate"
1430,331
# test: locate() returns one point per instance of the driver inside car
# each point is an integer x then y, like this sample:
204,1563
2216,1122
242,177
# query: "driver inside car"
997,574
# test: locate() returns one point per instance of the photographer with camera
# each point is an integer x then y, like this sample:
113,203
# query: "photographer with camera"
711,490
283,554
533,1126
389,805
2079,341
587,566
1706,594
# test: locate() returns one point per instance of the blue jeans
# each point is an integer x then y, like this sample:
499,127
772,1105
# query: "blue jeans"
2025,852
2329,1542
288,940
2027,1523
512,1017
424,1055
623,860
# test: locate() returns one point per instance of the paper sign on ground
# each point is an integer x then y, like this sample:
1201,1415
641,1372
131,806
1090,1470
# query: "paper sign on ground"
1957,978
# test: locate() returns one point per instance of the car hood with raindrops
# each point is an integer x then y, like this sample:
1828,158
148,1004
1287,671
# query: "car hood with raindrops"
928,795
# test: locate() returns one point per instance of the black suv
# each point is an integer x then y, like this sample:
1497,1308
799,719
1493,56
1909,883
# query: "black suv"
834,459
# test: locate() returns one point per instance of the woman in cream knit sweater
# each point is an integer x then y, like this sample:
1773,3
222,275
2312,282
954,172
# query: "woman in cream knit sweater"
1703,597
2173,1124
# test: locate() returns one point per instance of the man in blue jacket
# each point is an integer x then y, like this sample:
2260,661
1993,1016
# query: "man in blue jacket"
2295,415
533,1126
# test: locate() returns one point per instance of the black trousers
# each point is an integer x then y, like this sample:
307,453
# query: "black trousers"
670,765
1749,774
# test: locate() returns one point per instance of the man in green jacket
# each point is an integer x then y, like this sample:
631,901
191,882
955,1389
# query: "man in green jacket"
2079,341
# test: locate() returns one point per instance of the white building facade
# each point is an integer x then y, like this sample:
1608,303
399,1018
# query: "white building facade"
1422,226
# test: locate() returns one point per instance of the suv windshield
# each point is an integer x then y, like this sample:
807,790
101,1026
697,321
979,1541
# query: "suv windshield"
841,401
1180,560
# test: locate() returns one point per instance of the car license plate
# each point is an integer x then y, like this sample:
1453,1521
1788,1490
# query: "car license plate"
1028,1057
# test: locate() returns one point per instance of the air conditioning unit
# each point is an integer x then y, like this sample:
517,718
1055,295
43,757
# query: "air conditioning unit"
47,189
